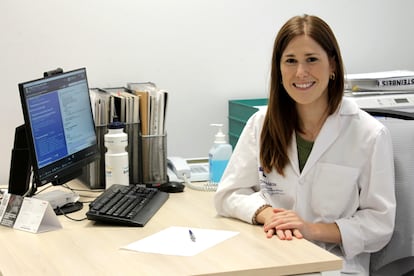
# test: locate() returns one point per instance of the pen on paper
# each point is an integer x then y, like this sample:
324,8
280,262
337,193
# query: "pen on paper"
192,236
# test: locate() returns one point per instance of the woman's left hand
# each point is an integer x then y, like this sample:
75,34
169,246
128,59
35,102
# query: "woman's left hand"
286,224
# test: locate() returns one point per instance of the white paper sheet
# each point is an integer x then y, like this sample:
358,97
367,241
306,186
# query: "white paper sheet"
176,241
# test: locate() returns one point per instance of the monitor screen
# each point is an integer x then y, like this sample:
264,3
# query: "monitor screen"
59,125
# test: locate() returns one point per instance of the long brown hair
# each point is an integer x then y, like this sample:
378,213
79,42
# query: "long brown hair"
281,119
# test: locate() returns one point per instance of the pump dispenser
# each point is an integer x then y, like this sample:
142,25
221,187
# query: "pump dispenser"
218,155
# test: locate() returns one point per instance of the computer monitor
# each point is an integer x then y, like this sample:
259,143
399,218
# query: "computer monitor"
58,138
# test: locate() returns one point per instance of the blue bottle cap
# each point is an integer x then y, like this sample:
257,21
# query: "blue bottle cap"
116,125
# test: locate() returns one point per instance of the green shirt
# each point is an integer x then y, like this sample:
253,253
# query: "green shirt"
304,149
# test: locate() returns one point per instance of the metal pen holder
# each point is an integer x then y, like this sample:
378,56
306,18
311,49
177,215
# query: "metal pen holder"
154,159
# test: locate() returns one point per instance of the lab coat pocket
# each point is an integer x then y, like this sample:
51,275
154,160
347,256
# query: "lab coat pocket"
334,191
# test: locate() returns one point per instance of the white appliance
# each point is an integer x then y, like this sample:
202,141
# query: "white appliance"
401,102
397,258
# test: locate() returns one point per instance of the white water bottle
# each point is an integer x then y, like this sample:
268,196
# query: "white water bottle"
116,156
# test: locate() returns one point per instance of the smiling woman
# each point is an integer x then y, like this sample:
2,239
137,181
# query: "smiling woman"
313,165
305,67
302,43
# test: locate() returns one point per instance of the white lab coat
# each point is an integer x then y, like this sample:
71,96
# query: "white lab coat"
348,179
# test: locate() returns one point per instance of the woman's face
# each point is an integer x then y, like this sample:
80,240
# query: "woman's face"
306,69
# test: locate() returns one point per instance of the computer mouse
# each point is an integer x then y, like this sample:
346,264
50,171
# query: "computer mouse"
172,187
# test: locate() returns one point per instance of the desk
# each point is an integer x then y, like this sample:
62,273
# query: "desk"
90,248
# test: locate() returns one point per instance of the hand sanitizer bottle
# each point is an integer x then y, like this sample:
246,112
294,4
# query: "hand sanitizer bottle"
218,155
116,157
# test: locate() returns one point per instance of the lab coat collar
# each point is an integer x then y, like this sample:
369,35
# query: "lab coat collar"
327,135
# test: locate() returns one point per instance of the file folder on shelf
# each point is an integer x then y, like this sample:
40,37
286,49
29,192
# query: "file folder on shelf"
108,103
142,107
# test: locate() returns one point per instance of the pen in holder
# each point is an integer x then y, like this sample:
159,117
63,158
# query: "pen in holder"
154,159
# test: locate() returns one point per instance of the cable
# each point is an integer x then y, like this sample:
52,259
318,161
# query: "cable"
91,197
32,190
83,190
61,211
44,188
204,186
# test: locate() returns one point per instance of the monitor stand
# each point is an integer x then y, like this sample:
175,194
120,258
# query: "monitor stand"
20,165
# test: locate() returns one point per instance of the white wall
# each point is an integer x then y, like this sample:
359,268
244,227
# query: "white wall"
204,52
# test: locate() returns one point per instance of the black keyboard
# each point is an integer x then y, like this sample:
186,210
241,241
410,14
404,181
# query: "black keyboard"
132,205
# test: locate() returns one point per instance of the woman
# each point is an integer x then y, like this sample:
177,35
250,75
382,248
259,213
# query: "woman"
313,165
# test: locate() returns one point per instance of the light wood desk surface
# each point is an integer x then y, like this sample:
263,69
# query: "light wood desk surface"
89,248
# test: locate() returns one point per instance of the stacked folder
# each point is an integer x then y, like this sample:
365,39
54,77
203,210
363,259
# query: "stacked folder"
398,81
142,107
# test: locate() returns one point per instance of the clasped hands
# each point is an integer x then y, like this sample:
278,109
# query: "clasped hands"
283,223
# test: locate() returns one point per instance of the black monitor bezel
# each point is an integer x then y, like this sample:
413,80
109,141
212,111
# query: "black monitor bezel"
42,176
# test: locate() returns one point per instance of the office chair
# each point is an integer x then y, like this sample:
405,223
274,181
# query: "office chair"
397,257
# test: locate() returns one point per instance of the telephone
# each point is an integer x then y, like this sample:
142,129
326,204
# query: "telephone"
193,169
